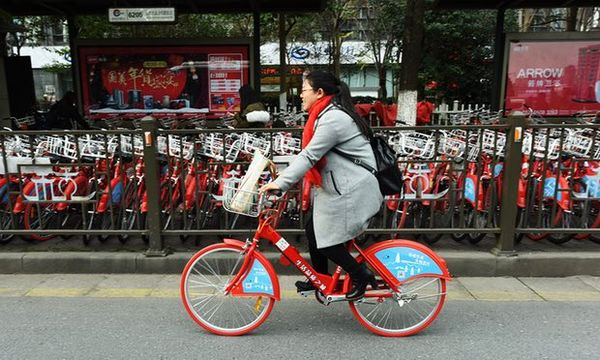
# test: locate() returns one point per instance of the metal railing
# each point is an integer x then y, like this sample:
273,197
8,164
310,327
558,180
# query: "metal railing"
511,179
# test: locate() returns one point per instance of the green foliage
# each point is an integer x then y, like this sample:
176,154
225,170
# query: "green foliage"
459,52
35,30
188,26
56,67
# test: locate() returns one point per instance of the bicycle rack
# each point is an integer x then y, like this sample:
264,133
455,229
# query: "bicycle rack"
286,144
136,148
95,147
251,143
214,143
493,142
577,143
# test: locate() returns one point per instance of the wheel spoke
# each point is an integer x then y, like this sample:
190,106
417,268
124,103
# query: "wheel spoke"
221,313
409,311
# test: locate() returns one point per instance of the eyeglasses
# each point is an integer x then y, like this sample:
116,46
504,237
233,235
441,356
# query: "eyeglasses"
303,90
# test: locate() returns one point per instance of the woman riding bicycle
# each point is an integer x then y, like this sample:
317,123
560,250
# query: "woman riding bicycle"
344,195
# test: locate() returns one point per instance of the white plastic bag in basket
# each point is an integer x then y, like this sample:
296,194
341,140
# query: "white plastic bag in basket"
243,199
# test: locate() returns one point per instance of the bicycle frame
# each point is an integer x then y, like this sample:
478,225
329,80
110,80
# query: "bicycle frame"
328,285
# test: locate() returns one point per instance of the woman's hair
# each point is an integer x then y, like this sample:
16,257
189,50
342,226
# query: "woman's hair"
247,96
331,85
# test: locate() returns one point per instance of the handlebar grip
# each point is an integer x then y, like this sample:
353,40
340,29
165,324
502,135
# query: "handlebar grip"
277,193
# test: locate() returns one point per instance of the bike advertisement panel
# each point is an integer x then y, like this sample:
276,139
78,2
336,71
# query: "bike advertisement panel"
554,77
199,79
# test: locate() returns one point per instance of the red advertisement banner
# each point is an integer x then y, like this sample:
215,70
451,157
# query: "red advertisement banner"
554,78
162,79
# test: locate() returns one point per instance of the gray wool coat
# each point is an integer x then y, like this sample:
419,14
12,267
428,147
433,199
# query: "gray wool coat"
349,194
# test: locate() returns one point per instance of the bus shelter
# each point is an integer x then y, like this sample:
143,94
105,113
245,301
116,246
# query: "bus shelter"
72,8
501,6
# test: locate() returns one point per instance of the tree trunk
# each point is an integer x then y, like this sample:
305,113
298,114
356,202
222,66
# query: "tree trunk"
412,47
382,72
282,63
572,18
337,49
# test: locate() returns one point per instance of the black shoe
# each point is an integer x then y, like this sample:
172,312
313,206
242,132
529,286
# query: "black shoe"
304,286
360,279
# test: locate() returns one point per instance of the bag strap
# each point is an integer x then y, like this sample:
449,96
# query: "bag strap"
358,162
341,153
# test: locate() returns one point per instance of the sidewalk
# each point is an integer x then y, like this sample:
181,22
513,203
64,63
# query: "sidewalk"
576,288
70,256
460,263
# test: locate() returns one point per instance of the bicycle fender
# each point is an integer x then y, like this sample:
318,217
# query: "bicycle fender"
260,278
405,259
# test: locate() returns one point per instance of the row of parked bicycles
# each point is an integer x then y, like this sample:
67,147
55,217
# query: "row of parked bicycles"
453,179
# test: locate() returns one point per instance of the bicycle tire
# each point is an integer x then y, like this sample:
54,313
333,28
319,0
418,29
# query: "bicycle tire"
536,211
427,221
399,218
6,223
127,211
106,224
443,212
521,222
565,220
480,218
454,206
595,237
31,220
544,222
200,275
93,224
411,320
71,218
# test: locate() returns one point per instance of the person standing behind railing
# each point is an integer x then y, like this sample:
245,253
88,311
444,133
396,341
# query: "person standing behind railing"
64,114
253,113
425,109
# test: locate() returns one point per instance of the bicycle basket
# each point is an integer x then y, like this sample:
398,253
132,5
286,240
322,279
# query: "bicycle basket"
241,195
493,142
577,143
251,143
213,145
417,145
238,200
286,144
127,147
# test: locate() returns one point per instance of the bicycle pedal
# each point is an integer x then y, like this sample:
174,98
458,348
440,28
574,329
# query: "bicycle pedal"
306,293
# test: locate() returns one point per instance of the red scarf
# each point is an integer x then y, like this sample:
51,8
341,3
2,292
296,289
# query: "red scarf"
313,176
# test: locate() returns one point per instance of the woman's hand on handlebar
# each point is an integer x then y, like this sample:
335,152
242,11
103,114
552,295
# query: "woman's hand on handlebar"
270,188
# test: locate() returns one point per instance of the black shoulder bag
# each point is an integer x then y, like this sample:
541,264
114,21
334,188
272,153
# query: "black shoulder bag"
387,173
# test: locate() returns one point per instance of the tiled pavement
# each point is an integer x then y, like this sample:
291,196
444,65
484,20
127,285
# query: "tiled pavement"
574,288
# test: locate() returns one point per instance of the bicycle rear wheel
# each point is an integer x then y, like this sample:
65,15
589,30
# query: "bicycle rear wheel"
41,216
565,220
384,313
202,290
6,223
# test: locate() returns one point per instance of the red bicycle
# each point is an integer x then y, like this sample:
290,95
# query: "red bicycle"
230,288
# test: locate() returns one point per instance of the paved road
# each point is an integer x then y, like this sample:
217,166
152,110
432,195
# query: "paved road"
140,317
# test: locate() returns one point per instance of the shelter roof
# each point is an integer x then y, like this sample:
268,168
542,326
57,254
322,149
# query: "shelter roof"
515,4
88,7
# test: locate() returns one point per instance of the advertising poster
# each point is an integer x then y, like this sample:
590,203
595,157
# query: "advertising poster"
162,79
225,73
554,78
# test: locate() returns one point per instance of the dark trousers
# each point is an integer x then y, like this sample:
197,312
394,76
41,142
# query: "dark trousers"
337,253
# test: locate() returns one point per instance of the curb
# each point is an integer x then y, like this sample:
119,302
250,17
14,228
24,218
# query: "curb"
460,263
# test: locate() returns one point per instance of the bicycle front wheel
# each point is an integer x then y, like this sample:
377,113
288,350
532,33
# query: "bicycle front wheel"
387,314
202,290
